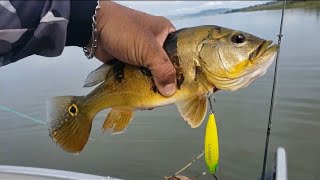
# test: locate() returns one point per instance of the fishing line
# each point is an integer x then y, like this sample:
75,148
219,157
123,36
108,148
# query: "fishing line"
273,94
26,116
22,115
214,176
189,164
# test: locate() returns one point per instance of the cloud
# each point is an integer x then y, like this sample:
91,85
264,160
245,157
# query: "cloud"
165,8
198,6
211,4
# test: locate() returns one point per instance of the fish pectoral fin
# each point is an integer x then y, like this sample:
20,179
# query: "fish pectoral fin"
117,120
97,76
193,110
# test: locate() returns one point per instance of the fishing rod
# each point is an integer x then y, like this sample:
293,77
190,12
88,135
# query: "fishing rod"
273,95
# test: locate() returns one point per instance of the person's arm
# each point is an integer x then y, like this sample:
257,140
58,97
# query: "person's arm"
46,27
42,27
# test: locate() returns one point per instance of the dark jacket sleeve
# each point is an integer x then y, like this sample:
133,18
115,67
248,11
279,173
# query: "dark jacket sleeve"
42,27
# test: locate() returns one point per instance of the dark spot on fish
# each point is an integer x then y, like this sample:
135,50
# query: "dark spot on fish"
145,71
118,71
208,36
197,72
176,63
73,110
218,29
170,44
171,40
180,80
179,74
154,88
215,89
175,60
112,62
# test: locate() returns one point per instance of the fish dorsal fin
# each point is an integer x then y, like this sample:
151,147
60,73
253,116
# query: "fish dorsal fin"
117,120
97,76
193,110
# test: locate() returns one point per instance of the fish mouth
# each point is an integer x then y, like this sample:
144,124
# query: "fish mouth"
260,59
263,50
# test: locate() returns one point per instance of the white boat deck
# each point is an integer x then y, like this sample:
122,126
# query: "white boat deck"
32,173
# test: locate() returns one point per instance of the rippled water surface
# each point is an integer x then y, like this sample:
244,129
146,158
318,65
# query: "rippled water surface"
158,142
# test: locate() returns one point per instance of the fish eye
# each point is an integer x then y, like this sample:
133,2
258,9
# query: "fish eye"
238,38
73,110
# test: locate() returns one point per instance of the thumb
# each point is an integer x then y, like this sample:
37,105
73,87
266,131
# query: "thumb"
162,69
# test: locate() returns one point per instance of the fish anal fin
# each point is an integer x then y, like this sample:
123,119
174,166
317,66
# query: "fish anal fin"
117,120
193,110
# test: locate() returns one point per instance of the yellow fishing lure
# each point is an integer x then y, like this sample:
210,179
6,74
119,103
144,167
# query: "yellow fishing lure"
211,145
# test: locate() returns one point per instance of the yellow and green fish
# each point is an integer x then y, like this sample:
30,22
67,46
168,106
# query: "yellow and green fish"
206,58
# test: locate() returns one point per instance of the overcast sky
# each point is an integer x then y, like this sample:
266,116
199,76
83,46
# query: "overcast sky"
165,8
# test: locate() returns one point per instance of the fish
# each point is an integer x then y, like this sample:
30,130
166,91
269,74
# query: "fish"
207,58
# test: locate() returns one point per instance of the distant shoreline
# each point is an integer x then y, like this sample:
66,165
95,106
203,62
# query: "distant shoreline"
278,5
274,5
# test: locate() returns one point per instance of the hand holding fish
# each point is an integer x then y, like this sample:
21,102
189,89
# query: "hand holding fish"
136,38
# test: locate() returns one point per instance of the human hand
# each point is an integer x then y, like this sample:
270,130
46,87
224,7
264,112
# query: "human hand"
136,38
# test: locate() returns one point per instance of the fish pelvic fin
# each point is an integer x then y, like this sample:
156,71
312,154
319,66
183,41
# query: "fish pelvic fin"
117,120
97,76
193,110
69,122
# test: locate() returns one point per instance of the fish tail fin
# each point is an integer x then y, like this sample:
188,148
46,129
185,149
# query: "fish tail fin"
69,122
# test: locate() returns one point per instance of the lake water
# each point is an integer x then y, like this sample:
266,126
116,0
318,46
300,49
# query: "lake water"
158,142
